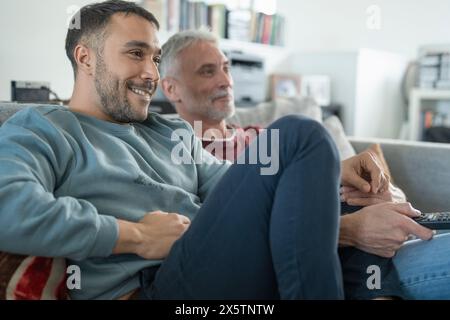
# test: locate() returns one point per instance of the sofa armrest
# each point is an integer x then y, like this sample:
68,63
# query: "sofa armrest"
420,169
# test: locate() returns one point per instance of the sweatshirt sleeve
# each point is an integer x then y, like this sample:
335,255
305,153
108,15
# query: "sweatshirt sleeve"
210,169
35,156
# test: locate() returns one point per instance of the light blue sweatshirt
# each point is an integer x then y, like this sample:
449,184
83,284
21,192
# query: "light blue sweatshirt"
65,177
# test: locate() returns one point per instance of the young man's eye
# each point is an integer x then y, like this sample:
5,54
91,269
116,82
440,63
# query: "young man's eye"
137,53
157,60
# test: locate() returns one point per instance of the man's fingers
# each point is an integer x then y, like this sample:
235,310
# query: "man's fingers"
183,219
404,208
378,180
419,231
376,177
359,183
385,182
356,194
347,189
364,202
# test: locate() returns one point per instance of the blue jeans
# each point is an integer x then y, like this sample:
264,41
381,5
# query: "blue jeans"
419,270
355,264
424,268
263,236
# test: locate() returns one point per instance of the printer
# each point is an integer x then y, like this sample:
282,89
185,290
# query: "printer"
249,78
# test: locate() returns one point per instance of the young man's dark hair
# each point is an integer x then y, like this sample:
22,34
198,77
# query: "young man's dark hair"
92,21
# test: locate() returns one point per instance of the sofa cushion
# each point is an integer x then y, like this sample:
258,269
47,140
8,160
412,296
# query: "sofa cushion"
32,278
265,113
26,277
334,127
8,109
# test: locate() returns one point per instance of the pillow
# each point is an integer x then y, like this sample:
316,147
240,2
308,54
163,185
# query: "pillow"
267,112
32,278
334,127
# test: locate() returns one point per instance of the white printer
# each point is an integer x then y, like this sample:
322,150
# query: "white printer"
249,78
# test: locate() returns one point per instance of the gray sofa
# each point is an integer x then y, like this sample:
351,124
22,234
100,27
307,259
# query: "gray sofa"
421,169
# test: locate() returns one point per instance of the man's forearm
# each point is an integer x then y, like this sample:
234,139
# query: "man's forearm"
129,237
347,231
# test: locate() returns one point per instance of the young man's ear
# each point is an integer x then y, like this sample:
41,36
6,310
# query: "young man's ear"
169,87
85,59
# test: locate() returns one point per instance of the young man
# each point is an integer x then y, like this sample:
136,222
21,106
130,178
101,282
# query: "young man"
196,79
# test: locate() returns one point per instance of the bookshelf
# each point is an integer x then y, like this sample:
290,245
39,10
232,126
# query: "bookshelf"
238,29
425,112
273,55
235,24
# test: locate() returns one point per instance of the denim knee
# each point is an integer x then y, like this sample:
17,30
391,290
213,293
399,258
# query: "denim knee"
301,131
296,123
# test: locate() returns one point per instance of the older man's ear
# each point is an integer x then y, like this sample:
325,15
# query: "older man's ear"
168,86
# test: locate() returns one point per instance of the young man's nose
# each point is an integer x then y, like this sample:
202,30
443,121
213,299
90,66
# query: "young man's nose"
150,72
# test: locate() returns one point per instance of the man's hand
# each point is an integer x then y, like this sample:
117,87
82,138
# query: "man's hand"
364,172
153,236
381,229
354,197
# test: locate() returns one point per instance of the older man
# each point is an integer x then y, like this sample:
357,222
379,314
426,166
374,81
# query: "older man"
196,79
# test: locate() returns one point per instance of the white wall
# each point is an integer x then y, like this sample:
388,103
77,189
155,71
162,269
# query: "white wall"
379,108
322,32
366,83
316,25
32,35
342,69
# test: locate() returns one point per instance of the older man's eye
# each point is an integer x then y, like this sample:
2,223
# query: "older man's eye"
157,60
208,72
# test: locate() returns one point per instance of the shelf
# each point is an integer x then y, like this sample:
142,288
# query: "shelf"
232,44
273,55
431,94
417,95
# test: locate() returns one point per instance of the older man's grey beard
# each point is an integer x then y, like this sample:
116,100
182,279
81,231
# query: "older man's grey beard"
112,95
220,114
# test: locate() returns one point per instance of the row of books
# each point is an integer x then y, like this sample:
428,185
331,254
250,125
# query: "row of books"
245,25
434,71
242,25
435,119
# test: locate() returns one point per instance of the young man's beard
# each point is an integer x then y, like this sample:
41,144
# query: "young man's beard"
112,93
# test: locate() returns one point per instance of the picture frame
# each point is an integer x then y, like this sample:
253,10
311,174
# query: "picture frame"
317,87
284,85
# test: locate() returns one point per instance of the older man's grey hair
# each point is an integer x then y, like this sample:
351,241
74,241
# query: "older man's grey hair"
176,44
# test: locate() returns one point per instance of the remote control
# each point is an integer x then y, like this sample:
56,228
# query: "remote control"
434,220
